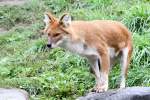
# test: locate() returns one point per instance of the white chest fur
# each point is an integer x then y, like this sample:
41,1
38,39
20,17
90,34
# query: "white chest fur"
77,47
82,49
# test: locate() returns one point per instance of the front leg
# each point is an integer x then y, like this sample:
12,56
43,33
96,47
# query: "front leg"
95,69
101,76
104,72
102,84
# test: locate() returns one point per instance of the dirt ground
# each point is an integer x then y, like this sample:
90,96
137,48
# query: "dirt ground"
11,2
2,30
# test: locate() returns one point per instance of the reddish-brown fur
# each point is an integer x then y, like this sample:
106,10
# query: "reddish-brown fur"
99,34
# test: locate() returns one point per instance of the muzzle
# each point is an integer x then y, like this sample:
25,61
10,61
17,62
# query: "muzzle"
49,46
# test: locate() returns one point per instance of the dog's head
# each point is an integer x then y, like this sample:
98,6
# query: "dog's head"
56,29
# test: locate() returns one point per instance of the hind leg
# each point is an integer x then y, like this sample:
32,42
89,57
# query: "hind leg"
125,60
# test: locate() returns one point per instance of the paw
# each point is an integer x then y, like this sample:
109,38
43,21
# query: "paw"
122,84
100,88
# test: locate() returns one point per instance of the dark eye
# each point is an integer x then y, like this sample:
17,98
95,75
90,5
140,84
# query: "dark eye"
56,34
49,34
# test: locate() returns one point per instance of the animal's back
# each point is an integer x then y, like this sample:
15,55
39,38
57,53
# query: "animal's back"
113,33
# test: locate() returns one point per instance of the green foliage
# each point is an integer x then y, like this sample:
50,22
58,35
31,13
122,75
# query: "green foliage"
139,18
46,74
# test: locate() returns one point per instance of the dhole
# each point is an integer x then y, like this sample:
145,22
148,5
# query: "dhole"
100,41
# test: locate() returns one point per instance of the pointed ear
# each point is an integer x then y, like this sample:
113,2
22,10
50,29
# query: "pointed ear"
48,18
65,20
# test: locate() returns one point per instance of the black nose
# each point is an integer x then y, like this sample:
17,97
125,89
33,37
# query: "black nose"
49,45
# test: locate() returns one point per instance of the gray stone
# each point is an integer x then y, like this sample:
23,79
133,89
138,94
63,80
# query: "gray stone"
13,94
129,93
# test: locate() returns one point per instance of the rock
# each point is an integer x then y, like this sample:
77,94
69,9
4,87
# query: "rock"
13,94
129,93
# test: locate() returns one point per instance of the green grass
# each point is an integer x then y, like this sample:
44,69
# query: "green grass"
57,74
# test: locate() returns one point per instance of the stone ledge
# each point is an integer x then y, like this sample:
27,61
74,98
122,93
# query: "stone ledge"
129,93
13,94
